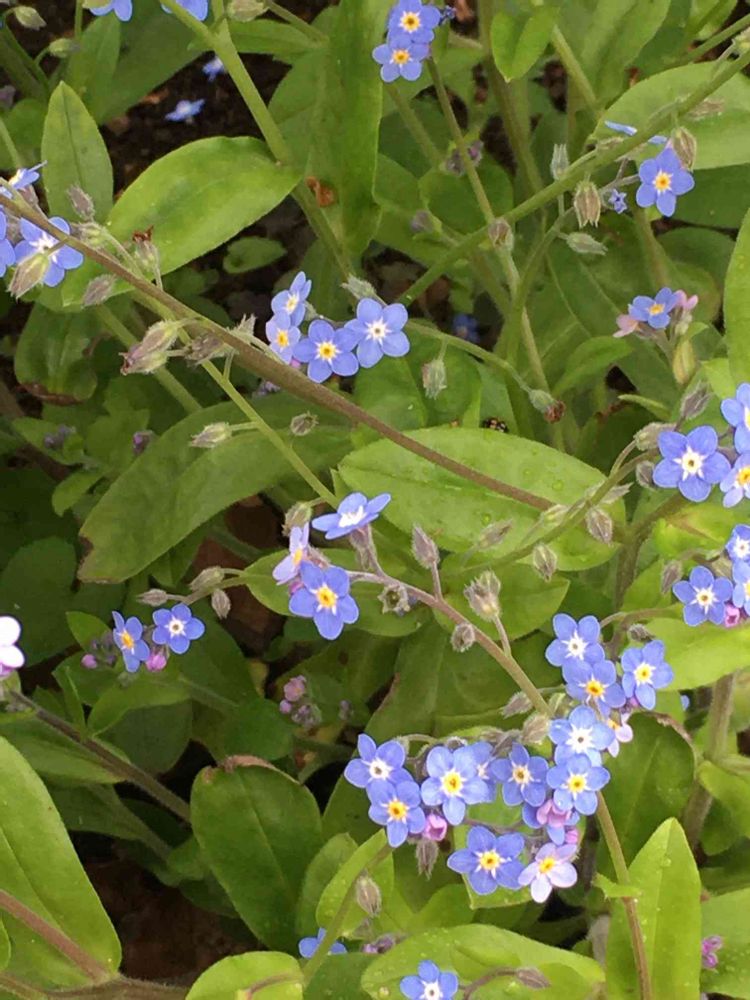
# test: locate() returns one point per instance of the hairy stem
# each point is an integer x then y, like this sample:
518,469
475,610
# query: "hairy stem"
653,253
576,72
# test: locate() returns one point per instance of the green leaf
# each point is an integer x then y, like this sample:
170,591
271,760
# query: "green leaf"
519,38
737,305
50,754
259,830
73,488
257,727
52,354
329,859
347,119
91,67
590,361
454,511
250,253
338,978
100,810
669,915
142,691
726,916
732,790
44,873
615,890
196,198
700,656
75,155
4,948
236,976
334,893
85,628
720,197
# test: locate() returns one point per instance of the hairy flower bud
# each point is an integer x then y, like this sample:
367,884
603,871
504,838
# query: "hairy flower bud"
434,378
517,704
206,347
358,288
297,516
212,435
695,402
245,10
685,145
639,633
493,534
395,599
424,550
709,108
616,493
544,561
463,637
644,474
532,979
535,729
684,362
587,204
670,574
221,603
599,525
427,854
302,424
207,579
368,895
560,161
153,350
422,222
647,437
27,17
482,595
153,598
501,234
584,244
83,204
29,273
98,290
62,48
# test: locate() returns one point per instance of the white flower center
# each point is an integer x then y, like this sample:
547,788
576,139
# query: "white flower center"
44,242
742,547
176,627
691,463
432,991
576,646
377,329
705,597
292,302
379,769
350,518
580,739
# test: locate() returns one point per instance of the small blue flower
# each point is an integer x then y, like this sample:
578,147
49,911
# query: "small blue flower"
282,336
618,201
430,984
354,511
690,462
213,68
292,300
177,627
736,484
185,111
738,546
466,327
128,639
581,732
453,782
309,945
379,331
595,684
288,569
377,763
654,311
551,868
198,8
60,260
645,672
123,9
576,782
396,807
523,777
736,411
555,822
704,596
324,597
576,642
415,20
327,351
655,140
663,178
483,758
400,57
25,177
741,592
489,861
7,253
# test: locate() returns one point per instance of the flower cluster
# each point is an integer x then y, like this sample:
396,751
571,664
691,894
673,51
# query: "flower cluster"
646,315
410,30
715,598
662,177
172,632
11,657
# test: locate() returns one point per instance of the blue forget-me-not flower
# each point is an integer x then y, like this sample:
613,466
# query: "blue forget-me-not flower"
690,462
704,596
354,511
324,597
489,861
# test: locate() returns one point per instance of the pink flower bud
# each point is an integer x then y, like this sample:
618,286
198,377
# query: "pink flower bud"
436,827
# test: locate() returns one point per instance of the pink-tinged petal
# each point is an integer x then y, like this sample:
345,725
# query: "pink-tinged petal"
10,630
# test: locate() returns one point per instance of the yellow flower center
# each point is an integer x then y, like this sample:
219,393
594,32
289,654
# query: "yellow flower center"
663,181
521,774
691,462
400,56
644,673
291,303
397,810
297,556
546,865
327,350
410,21
577,783
747,417
452,783
488,860
747,590
282,338
594,688
656,309
325,597
127,640
704,597
743,476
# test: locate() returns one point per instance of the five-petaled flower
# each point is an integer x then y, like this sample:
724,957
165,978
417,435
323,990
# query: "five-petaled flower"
354,511
430,983
123,9
690,462
741,592
282,336
645,672
738,546
663,178
618,200
581,732
324,597
551,868
654,311
557,823
60,258
397,807
288,569
185,111
327,351
522,776
453,782
736,411
399,56
415,19
11,657
595,684
291,301
177,628
704,596
213,68
379,331
576,782
576,642
309,945
736,484
23,177
128,636
489,861
377,763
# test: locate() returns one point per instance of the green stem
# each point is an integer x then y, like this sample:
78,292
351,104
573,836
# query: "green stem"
717,732
7,139
721,36
164,377
21,989
575,71
283,977
121,989
296,22
419,133
78,21
488,357
650,247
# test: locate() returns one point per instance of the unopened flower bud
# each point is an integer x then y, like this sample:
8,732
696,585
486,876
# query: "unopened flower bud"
685,145
221,603
535,729
427,854
27,17
501,234
395,599
422,222
644,474
212,435
434,378
684,362
152,351
156,661
207,579
584,244
83,204
560,161
205,347
493,534
587,204
670,574
599,525
517,704
28,274
482,595
245,329
532,979
639,633
302,424
98,290
147,256
544,561
141,441
62,48
297,517
436,827
153,598
709,108
647,437
245,10
368,895
89,662
695,402
358,288
616,493
463,637
554,514
424,550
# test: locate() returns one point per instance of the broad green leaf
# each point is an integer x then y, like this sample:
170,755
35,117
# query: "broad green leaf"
726,916
154,738
335,892
91,67
196,198
250,253
142,691
731,790
73,488
347,119
258,728
329,859
85,628
737,305
519,38
44,873
25,122
589,362
100,810
51,754
272,38
720,197
51,356
338,978
236,976
615,890
669,915
452,200
75,155
454,510
259,830
700,656
473,951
